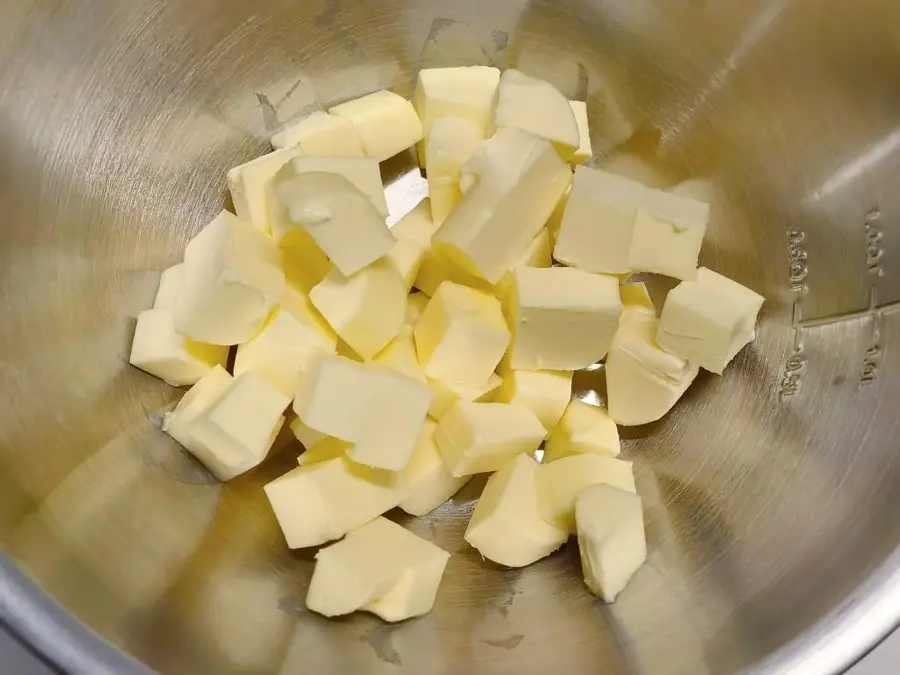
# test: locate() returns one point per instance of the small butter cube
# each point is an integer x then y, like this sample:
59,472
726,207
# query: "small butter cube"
248,185
417,225
462,335
387,123
380,568
643,381
545,392
538,254
233,279
584,152
310,438
583,430
636,297
506,526
193,404
171,283
305,264
325,450
173,358
668,234
401,355
536,106
451,143
324,501
377,409
708,321
406,256
521,179
483,437
366,309
560,482
466,92
321,135
430,482
563,319
446,394
611,538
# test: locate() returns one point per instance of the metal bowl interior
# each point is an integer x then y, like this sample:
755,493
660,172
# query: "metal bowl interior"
771,494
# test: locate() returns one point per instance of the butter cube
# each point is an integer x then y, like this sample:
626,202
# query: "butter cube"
415,308
387,123
668,234
536,106
563,319
430,482
173,358
417,225
643,381
233,279
446,394
484,437
406,256
461,336
310,438
521,180
636,297
611,538
708,321
380,568
538,254
248,185
560,482
401,355
506,526
452,141
324,501
367,309
378,410
466,92
545,392
325,450
583,430
171,283
364,173
584,151
305,264
321,135
192,405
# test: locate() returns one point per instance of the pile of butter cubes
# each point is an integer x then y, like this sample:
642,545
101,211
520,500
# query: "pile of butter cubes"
416,357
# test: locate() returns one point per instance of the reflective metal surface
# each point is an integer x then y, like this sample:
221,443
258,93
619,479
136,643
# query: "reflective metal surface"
772,494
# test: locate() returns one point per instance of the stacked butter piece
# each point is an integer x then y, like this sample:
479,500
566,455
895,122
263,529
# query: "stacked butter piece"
416,357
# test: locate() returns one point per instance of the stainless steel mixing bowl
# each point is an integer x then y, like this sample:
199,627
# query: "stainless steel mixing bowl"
772,494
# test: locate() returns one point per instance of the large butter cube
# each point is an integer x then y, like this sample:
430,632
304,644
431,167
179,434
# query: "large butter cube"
466,92
401,355
282,349
160,351
521,179
560,482
248,185
583,430
563,319
583,152
387,123
366,309
451,143
446,394
483,437
668,234
708,321
462,335
536,106
545,392
324,501
193,404
506,526
643,381
611,538
377,409
380,568
321,135
171,283
430,481
233,279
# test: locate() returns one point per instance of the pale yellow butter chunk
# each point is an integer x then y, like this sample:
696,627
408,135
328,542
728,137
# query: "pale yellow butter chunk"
708,321
406,256
248,184
387,123
506,526
324,450
415,307
583,429
446,394
430,481
171,283
538,254
159,350
380,568
310,438
452,141
323,501
545,392
583,152
668,234
366,309
321,135
611,538
401,355
193,404
560,482
529,104
643,381
563,319
461,335
305,264
417,225
233,279
636,298
484,437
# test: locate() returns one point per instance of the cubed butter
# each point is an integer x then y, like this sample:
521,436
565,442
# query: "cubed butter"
430,481
538,254
233,279
560,482
364,173
545,392
321,135
563,319
636,297
446,394
406,256
668,234
708,321
193,404
611,538
484,437
536,106
506,526
583,152
305,264
310,438
417,225
451,143
401,355
248,184
415,307
325,450
583,430
171,282
387,123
